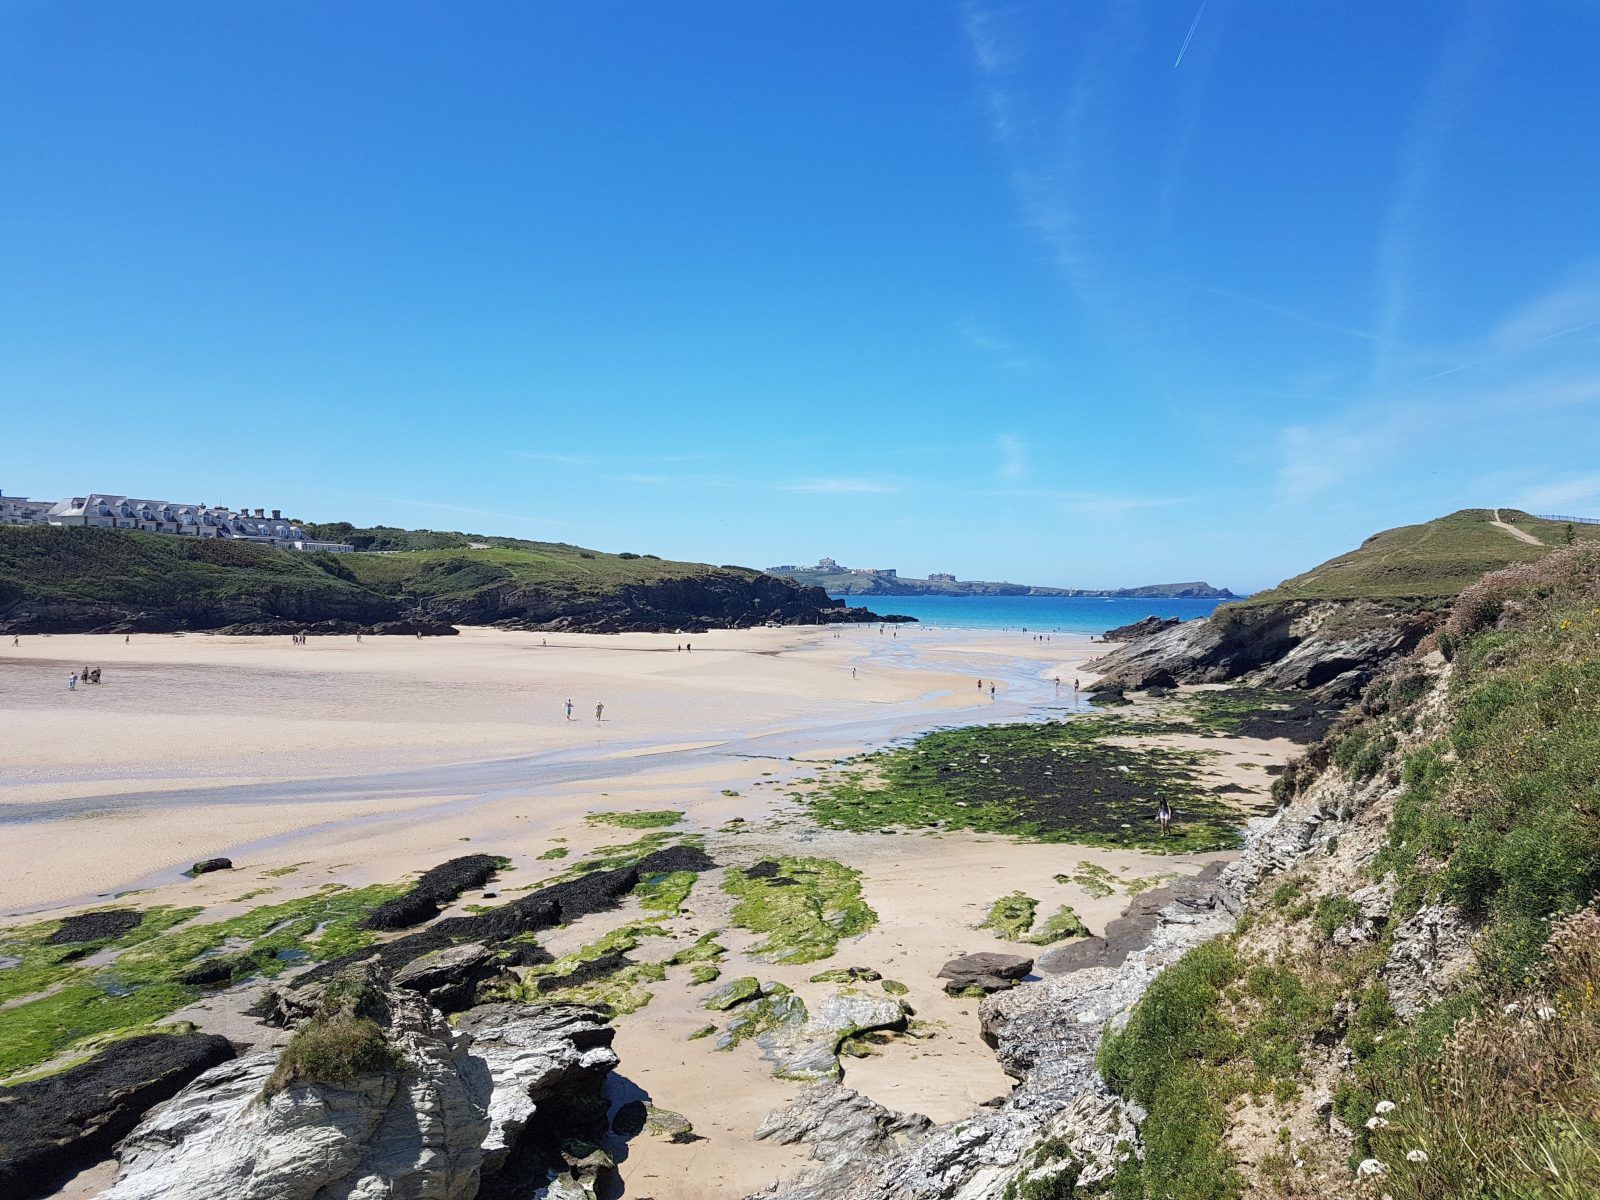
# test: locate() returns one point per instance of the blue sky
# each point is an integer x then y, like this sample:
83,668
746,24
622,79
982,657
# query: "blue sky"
1087,294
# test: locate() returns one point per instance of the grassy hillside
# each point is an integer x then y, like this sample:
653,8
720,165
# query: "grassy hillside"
52,578
1452,1024
142,570
1435,559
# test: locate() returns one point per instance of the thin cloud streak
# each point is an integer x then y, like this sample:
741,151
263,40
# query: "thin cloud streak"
840,487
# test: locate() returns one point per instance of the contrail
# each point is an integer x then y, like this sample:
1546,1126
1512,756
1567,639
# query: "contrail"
1193,26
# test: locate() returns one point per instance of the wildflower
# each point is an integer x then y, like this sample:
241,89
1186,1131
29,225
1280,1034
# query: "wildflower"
1417,1156
1383,1106
1377,1123
1371,1167
1509,1009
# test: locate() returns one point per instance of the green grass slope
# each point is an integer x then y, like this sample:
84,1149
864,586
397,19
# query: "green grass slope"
81,579
39,563
1435,559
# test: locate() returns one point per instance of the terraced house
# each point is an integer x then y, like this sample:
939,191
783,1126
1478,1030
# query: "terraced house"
186,520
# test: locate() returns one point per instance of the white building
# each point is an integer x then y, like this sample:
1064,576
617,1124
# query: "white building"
98,510
19,510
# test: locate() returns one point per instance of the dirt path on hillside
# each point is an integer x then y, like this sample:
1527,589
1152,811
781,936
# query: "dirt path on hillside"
1521,535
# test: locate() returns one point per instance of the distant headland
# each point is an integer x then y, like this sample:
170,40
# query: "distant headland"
839,580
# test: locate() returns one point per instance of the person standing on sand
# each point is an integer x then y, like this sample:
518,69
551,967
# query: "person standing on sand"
569,710
991,691
980,685
598,709
72,683
1164,815
852,672
124,639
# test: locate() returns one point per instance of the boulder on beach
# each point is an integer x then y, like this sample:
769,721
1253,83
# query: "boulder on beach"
207,865
986,971
92,926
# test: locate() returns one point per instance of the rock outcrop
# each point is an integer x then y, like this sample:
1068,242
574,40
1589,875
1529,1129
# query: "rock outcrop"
1141,628
436,887
841,1126
1334,646
54,1126
415,1129
505,1105
984,972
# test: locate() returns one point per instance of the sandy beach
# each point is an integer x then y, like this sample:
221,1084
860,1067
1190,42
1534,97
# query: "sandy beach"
339,762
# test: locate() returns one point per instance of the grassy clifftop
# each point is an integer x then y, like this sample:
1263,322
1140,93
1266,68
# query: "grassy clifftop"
81,579
1435,559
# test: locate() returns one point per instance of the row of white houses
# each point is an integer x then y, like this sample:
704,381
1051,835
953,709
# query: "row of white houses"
99,510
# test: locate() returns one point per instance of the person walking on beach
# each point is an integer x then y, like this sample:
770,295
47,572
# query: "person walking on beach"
569,710
124,639
72,683
1164,815
980,685
598,709
991,691
852,672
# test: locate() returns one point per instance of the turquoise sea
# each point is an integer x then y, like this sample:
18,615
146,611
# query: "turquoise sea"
1040,614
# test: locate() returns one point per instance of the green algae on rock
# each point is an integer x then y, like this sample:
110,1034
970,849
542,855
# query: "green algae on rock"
802,905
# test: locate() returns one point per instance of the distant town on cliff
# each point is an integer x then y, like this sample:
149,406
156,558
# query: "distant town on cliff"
840,580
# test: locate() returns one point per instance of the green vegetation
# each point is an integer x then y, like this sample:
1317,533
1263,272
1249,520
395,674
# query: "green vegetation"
555,852
1011,917
658,819
102,572
54,1003
612,991
1061,782
340,1041
1434,560
1494,1090
804,917
665,893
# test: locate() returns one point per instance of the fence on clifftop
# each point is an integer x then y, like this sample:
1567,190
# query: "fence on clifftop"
1573,520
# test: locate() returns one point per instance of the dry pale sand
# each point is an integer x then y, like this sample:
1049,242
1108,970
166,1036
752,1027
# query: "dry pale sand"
363,763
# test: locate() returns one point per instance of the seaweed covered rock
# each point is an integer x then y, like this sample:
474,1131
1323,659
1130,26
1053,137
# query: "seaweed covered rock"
92,926
61,1123
436,888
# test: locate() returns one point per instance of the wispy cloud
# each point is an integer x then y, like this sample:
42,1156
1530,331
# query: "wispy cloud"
1085,503
1318,458
1290,314
1013,456
1566,494
1433,125
1189,37
997,348
841,487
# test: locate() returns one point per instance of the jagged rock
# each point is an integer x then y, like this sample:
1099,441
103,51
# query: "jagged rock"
1141,628
808,1048
985,971
61,1123
450,978
1082,1146
841,1126
207,865
1428,952
1336,647
413,1130
555,1055
435,888
92,926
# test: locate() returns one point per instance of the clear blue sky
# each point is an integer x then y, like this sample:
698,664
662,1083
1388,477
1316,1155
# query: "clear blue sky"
1091,293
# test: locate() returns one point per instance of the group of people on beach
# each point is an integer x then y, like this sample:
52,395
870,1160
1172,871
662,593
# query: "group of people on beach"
87,675
599,710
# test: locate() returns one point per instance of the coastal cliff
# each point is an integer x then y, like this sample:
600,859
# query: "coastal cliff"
1335,627
100,580
1391,991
